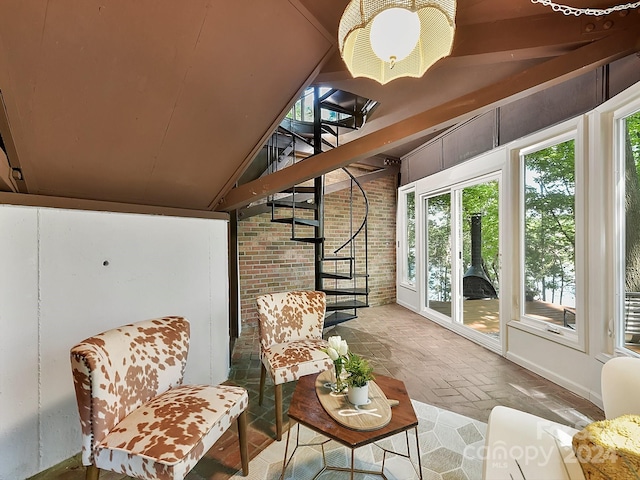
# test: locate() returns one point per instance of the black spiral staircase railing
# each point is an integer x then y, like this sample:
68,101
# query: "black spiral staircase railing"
341,265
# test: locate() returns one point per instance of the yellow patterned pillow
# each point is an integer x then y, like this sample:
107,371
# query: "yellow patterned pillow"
610,449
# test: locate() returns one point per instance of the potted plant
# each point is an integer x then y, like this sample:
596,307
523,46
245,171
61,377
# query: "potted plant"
360,373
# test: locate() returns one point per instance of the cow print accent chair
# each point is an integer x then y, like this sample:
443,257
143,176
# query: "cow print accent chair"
137,417
290,326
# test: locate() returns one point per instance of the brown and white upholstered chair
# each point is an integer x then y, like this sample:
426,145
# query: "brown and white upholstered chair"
136,416
290,326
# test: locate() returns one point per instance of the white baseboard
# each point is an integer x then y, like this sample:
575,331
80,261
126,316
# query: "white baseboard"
564,382
406,305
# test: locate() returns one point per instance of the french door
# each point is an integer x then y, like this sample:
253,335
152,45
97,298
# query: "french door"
462,255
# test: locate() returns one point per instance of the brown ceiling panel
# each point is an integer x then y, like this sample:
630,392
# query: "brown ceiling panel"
233,94
153,102
102,91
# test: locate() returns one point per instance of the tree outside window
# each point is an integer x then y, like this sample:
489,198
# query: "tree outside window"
410,270
549,234
631,326
438,261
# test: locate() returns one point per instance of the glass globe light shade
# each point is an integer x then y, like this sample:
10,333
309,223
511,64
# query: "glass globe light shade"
394,34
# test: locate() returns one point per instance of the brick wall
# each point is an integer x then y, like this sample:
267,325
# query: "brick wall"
270,262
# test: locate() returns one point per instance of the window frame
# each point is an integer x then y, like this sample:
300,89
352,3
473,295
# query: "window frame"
616,118
570,130
424,197
403,241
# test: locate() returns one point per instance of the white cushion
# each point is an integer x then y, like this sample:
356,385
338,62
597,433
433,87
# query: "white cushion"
520,441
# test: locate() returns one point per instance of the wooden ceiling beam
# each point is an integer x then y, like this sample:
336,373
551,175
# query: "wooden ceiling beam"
540,36
541,32
524,83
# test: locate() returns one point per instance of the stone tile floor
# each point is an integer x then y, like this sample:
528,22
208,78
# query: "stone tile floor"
451,447
437,366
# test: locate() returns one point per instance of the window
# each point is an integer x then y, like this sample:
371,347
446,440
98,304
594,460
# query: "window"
480,256
409,241
549,232
438,267
343,107
629,167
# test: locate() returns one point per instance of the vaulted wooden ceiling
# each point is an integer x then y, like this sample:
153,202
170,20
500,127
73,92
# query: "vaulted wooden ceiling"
165,103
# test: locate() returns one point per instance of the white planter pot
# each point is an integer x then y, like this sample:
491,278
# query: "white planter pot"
358,395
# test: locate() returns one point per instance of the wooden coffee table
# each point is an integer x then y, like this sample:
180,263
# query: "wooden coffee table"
305,408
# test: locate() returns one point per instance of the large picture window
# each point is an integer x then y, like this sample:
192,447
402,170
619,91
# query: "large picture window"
549,233
629,149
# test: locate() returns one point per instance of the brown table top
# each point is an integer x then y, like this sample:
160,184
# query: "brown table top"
306,409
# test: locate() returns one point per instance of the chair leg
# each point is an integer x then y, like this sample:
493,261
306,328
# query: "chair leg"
278,389
263,374
93,472
242,440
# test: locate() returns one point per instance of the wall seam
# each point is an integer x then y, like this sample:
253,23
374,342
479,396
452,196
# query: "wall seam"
39,320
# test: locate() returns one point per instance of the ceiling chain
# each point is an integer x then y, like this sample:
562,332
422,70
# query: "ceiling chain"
568,10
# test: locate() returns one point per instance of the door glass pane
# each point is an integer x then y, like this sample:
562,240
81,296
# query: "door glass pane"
410,238
481,258
549,234
438,253
631,156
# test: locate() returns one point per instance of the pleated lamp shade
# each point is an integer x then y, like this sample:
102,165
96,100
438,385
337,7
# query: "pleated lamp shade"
387,39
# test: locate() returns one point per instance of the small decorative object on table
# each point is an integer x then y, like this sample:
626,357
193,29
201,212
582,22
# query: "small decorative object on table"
337,351
360,372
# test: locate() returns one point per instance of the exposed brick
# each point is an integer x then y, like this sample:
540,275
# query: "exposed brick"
269,261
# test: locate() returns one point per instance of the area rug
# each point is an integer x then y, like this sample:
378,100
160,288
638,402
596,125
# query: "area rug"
450,445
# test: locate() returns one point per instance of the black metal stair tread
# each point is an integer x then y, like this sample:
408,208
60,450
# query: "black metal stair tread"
335,318
300,190
343,275
346,291
346,304
336,276
307,239
291,204
336,259
299,221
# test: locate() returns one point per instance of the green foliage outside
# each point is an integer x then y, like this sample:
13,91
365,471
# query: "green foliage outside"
483,199
632,138
550,223
480,199
439,247
411,236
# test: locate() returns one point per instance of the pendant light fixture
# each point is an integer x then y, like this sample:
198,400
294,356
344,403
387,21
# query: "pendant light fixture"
387,39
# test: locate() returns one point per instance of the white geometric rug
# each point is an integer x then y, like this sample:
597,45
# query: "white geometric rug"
450,444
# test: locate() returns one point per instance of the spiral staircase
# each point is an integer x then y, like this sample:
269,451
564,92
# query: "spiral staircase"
341,264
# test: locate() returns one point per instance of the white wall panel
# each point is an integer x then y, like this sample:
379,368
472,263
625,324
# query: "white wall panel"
18,341
93,271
